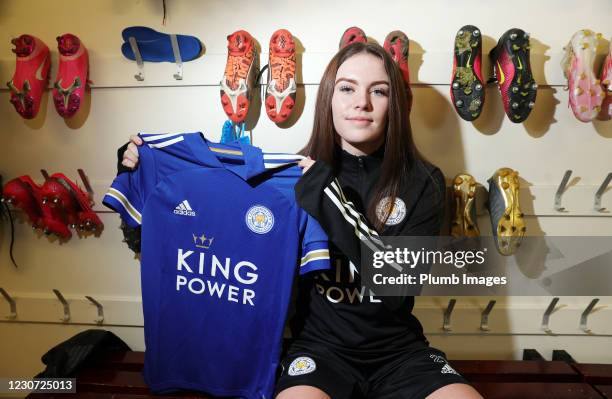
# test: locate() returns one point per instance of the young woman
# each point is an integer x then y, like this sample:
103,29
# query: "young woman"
363,178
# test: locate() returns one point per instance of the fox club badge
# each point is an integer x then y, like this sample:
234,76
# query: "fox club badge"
302,365
259,219
397,214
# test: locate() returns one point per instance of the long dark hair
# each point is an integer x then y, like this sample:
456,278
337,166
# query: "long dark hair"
400,152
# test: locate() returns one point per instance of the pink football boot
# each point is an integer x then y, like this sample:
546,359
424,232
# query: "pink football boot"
397,44
352,35
71,80
31,75
606,81
585,91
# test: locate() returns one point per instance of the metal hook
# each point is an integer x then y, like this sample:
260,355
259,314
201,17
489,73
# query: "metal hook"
12,304
140,75
484,317
561,190
585,315
85,180
547,313
600,192
177,58
61,298
446,326
100,318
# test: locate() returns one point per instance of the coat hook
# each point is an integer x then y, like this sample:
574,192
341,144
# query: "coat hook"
100,318
561,190
600,192
61,298
585,315
12,304
88,188
140,75
484,317
446,326
177,58
547,313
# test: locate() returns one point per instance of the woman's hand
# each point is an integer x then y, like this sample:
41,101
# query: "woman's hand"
130,156
305,164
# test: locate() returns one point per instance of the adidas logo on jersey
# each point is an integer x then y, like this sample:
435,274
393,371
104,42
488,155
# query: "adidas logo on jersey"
184,209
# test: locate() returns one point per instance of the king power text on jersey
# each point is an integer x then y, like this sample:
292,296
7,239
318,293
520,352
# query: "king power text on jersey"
190,263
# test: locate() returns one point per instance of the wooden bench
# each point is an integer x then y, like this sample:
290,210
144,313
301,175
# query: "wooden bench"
515,371
536,390
605,390
598,375
119,376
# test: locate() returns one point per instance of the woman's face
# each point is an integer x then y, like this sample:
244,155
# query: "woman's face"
360,103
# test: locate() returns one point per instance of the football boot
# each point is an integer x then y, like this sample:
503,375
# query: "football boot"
512,72
31,75
241,71
507,220
352,35
71,80
606,81
69,205
24,194
281,88
585,92
467,85
397,45
464,222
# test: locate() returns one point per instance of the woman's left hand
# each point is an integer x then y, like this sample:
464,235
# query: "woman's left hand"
305,164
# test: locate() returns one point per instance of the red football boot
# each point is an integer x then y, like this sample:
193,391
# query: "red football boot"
512,72
280,93
69,201
352,35
31,75
24,194
239,78
59,208
71,80
397,43
467,85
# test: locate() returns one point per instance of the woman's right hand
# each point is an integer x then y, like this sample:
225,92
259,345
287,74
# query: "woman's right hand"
130,156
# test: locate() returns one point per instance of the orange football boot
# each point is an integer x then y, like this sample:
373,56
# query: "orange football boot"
240,72
280,93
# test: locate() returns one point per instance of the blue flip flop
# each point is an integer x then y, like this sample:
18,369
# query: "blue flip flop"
157,46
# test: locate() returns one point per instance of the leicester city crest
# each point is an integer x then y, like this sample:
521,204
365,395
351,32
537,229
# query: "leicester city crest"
259,219
302,365
397,214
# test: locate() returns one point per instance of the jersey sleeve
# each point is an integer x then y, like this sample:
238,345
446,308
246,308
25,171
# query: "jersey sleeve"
127,193
314,245
320,194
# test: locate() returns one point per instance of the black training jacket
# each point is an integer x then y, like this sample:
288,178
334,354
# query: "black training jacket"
333,307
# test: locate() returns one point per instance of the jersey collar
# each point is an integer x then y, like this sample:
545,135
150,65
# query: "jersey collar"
244,160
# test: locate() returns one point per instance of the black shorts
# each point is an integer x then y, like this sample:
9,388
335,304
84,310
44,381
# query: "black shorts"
410,374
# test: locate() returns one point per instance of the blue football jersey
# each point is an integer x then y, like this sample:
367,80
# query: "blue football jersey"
222,240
